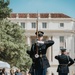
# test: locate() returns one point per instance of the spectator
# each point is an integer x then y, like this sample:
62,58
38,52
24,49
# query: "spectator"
4,72
18,72
11,72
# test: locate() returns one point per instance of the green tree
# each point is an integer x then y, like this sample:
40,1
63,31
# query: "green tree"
12,40
13,45
4,9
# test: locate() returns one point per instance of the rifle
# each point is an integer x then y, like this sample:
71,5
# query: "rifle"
36,55
28,52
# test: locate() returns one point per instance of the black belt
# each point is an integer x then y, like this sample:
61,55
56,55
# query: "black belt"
63,64
41,55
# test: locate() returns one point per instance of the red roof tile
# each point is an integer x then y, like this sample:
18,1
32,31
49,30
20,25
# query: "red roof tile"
59,15
33,15
13,15
42,15
22,15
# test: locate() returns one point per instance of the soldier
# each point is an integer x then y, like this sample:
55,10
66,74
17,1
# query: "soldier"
65,62
38,55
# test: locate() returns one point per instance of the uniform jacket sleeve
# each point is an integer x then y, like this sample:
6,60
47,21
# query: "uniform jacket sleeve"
57,57
49,43
71,61
30,52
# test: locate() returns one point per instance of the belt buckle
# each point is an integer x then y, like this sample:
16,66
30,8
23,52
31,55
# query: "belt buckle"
40,55
36,56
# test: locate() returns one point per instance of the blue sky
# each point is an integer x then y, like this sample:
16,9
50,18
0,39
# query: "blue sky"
43,6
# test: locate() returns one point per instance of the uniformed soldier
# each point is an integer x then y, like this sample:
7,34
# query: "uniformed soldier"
65,62
38,55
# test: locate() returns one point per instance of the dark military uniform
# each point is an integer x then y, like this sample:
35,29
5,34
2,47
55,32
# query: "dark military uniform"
40,64
64,63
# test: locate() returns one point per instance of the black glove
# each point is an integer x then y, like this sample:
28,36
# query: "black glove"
28,52
74,59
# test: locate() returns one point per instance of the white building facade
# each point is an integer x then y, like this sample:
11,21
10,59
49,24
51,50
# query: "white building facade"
56,26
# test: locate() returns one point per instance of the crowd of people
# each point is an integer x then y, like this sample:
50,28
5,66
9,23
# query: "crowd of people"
12,72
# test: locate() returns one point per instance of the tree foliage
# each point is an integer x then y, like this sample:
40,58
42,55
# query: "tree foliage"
12,40
13,45
4,9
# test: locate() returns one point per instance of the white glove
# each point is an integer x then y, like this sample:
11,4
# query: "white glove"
42,42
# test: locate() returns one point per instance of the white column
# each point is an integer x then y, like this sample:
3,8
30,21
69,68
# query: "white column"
28,40
49,15
17,15
27,16
39,15
49,51
49,58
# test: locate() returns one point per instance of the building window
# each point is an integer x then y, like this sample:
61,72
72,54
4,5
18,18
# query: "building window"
44,25
62,43
33,25
61,47
22,24
61,38
61,24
